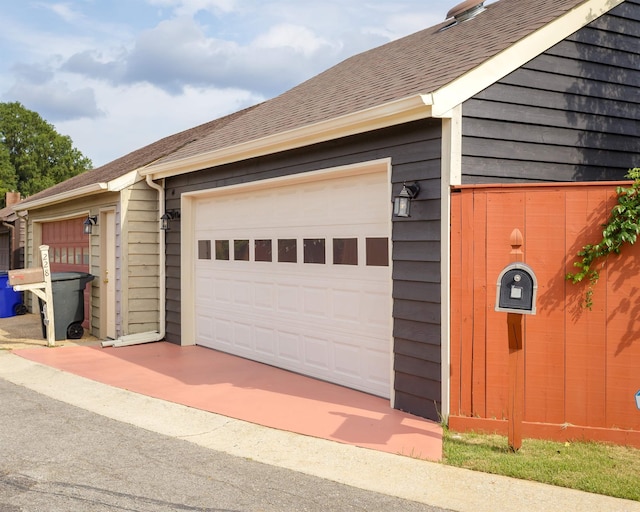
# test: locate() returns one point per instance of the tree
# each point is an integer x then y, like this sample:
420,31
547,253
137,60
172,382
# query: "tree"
8,179
33,155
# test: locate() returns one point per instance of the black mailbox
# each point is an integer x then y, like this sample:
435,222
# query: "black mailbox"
517,288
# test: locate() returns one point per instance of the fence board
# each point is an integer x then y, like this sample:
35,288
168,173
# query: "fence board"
479,261
581,366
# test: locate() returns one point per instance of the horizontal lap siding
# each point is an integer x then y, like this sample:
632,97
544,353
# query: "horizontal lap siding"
79,207
570,114
140,312
414,150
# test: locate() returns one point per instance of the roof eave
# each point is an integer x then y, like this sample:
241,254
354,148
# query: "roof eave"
115,185
390,114
88,190
516,55
437,104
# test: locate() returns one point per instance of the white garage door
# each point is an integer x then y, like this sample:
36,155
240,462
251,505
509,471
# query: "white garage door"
298,276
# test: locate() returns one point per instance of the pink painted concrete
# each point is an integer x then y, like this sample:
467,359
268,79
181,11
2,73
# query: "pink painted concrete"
231,386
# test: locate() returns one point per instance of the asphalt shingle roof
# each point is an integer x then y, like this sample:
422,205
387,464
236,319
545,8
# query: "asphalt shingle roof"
420,63
136,159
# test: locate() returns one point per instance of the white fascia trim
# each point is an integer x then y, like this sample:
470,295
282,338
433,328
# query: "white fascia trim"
115,185
95,188
519,53
390,114
123,182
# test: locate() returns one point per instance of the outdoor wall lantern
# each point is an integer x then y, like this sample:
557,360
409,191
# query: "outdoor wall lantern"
168,215
92,220
402,202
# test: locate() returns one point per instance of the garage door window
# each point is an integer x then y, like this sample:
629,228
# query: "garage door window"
345,251
287,250
222,249
263,250
377,252
204,249
314,251
241,250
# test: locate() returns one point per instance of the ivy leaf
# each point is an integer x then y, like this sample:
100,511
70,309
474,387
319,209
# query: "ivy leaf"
622,227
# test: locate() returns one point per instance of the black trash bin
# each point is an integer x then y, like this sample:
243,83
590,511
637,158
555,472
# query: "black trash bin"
68,304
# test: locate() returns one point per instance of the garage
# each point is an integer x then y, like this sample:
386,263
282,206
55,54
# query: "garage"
68,245
69,251
295,272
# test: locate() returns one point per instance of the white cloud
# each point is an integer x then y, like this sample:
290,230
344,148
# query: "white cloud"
63,10
56,100
115,82
141,114
191,7
286,35
178,53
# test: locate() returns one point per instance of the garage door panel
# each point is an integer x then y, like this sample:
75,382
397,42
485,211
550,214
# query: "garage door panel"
289,348
347,358
205,328
377,369
331,321
242,293
339,310
314,302
317,353
376,309
243,336
221,333
266,341
222,288
287,298
346,308
264,296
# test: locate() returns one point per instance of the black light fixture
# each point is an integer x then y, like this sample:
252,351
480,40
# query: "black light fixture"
91,220
168,215
402,202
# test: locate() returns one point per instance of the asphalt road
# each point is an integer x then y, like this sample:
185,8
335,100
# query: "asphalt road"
57,457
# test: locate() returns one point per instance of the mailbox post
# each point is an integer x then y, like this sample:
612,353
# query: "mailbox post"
516,293
42,290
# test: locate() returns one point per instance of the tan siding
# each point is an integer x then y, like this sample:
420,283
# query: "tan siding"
143,249
91,204
141,295
95,269
137,262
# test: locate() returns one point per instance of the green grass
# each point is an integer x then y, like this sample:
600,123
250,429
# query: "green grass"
593,467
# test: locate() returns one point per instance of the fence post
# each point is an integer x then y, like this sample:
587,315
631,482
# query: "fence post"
49,316
515,406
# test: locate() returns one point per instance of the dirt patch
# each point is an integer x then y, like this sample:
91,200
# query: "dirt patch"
23,331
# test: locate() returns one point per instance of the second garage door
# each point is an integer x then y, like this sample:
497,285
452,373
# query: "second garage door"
69,251
298,276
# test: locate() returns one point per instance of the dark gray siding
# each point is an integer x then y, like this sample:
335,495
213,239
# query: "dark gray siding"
570,114
415,152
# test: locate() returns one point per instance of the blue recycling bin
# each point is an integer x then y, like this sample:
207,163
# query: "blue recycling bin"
68,304
10,300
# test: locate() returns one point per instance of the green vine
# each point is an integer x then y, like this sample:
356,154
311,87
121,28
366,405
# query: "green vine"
622,227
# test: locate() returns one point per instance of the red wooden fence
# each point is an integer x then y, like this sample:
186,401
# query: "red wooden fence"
582,367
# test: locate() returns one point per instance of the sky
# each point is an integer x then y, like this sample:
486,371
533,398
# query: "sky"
116,75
